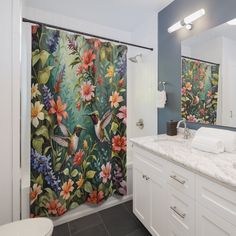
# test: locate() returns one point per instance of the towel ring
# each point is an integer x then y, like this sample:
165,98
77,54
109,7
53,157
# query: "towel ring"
163,85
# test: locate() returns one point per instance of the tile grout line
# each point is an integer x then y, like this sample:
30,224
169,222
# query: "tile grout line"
68,225
104,224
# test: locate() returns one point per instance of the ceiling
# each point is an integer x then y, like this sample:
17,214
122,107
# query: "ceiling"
121,14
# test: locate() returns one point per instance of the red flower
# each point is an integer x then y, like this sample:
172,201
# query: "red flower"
78,106
59,109
99,79
79,70
183,90
119,143
78,158
209,94
57,86
34,29
95,197
61,211
88,58
94,68
121,83
122,114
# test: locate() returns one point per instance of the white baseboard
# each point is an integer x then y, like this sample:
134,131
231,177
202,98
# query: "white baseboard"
86,209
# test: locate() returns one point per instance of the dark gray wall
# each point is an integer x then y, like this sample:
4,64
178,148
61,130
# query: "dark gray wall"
169,46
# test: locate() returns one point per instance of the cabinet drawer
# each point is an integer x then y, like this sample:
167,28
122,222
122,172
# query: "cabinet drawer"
149,168
218,199
182,180
181,212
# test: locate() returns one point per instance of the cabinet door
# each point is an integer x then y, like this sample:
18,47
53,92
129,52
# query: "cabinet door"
208,223
158,203
140,196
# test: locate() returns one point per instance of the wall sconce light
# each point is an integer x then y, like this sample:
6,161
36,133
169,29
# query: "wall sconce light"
187,22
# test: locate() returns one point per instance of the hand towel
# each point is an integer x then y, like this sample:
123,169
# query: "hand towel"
208,144
228,137
161,99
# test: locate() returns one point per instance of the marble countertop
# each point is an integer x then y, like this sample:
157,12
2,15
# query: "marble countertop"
220,167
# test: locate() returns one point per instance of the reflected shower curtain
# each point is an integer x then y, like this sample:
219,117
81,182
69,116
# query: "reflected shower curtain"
78,121
199,92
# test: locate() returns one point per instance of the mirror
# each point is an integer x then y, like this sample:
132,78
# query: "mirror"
208,78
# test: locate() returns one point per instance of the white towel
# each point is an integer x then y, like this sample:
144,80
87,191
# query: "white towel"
208,144
228,137
161,99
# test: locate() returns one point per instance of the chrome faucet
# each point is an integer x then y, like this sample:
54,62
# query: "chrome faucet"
186,130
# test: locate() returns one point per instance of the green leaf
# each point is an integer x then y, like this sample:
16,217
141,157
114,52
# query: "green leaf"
46,150
114,127
39,180
66,171
74,205
90,174
44,75
78,193
37,144
101,187
43,130
50,192
88,187
58,166
44,57
74,173
35,56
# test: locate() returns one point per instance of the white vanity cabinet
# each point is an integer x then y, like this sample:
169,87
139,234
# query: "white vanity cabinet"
173,201
149,198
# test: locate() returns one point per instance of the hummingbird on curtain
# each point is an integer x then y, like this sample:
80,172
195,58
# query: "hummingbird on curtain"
100,125
69,140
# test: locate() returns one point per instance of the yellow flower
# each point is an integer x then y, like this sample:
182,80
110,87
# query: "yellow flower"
35,191
36,113
85,144
115,99
67,187
110,72
80,182
34,91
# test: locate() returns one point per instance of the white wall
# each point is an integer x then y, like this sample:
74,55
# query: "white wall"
144,80
9,96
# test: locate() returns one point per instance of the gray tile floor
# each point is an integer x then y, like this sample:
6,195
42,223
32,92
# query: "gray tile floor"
115,221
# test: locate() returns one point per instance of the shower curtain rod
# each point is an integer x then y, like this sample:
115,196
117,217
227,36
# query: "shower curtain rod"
86,34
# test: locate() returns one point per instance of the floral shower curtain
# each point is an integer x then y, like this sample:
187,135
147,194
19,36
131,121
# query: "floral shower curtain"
78,121
199,98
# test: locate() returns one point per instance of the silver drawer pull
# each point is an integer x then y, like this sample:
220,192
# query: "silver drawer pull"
144,176
174,208
147,178
174,177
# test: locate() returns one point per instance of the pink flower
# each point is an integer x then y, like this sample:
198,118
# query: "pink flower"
191,118
88,59
78,158
209,94
122,114
183,90
201,85
59,109
79,70
97,44
115,99
87,91
119,143
105,174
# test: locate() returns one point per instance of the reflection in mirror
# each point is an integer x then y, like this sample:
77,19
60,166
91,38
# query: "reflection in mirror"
209,76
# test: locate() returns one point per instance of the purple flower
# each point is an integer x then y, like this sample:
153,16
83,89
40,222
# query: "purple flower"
119,180
53,41
122,65
42,164
47,97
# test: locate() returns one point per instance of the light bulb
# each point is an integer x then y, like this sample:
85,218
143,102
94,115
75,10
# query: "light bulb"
175,27
189,19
